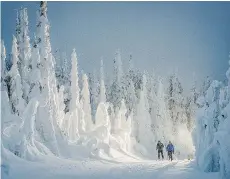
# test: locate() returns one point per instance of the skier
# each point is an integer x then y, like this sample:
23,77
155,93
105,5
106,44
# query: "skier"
159,148
170,150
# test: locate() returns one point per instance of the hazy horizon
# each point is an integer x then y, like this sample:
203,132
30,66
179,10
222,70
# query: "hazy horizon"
192,37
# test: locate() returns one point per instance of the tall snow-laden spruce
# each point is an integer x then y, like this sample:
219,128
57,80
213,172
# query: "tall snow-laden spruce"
145,135
62,73
61,107
170,97
130,93
152,99
94,93
118,67
228,77
6,110
162,126
223,133
3,60
191,105
205,85
175,101
74,110
85,103
15,92
35,75
48,109
131,98
75,90
58,67
26,135
18,28
102,84
24,49
66,68
3,67
122,127
208,123
116,90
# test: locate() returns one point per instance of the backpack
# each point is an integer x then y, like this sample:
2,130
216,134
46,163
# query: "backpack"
160,146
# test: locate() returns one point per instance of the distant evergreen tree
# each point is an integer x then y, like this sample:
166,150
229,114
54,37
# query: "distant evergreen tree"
117,89
102,96
94,93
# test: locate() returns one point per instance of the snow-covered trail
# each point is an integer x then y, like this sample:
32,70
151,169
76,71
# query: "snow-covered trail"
54,168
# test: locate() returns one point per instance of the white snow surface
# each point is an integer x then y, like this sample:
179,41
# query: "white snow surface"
121,167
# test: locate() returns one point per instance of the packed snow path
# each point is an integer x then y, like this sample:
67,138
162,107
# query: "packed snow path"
53,168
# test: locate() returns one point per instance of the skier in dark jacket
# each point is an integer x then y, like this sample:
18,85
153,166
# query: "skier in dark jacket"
170,150
159,148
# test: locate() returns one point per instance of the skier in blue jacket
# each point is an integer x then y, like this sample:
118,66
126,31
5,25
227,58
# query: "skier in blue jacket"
170,150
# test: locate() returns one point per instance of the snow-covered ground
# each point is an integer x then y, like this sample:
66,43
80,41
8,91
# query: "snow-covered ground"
122,167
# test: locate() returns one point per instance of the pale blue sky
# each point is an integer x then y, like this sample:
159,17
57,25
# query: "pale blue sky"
189,36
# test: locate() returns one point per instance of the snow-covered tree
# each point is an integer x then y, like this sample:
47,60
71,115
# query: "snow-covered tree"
43,44
61,107
117,89
228,77
223,133
76,122
205,85
170,97
102,122
18,28
118,67
75,90
3,67
162,124
48,113
129,93
15,93
176,102
131,98
179,99
102,97
135,76
35,75
62,70
94,93
26,136
219,153
24,49
65,79
190,105
122,128
85,103
131,71
152,98
58,67
145,135
194,90
5,86
206,127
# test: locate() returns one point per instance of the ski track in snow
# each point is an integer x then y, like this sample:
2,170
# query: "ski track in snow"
56,168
